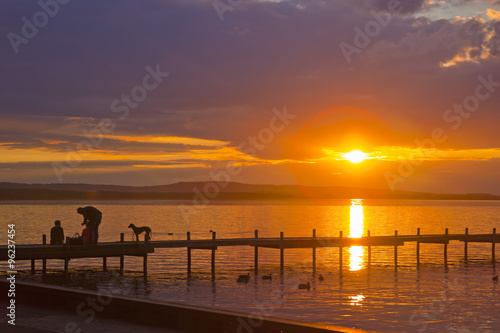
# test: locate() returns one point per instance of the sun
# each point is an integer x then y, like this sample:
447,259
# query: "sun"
355,156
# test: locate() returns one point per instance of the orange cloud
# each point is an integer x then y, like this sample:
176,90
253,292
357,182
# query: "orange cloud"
393,153
156,166
493,14
465,56
217,152
170,139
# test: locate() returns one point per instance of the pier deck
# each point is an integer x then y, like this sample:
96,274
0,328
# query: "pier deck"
120,249
117,249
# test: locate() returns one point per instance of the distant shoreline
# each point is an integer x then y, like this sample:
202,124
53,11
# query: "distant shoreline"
203,192
46,194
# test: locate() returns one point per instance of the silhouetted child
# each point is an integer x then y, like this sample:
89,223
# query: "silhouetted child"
86,235
57,234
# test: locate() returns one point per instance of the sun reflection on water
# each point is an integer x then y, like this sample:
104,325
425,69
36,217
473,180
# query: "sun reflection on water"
356,253
356,300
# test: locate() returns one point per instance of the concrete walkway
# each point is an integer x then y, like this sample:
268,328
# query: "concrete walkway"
31,319
47,308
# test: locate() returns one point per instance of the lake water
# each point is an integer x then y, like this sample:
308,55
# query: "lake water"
459,298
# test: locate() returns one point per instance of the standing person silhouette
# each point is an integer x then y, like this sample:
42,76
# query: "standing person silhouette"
92,217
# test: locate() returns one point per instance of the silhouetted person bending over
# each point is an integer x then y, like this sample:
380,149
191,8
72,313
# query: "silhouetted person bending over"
57,234
92,217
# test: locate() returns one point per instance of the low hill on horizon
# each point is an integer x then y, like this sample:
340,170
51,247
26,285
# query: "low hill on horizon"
213,191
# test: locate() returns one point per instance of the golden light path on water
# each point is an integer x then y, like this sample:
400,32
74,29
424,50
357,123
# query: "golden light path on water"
356,253
356,218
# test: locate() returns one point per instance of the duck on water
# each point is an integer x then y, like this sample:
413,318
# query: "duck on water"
244,278
305,286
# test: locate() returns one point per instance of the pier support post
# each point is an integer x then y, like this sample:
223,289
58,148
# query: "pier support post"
493,246
105,264
256,255
213,254
446,248
145,265
282,254
314,253
465,244
122,258
66,261
33,270
395,251
341,234
418,248
189,255
368,234
44,261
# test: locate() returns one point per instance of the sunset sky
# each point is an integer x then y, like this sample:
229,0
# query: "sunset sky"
152,92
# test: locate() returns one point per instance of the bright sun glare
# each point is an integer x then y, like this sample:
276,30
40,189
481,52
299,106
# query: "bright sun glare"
355,156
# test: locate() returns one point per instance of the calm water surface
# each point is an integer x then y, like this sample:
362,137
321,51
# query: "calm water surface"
459,298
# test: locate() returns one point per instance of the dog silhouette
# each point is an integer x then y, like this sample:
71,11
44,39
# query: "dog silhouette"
140,230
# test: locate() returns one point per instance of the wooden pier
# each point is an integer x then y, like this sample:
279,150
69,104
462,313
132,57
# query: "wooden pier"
67,252
121,249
